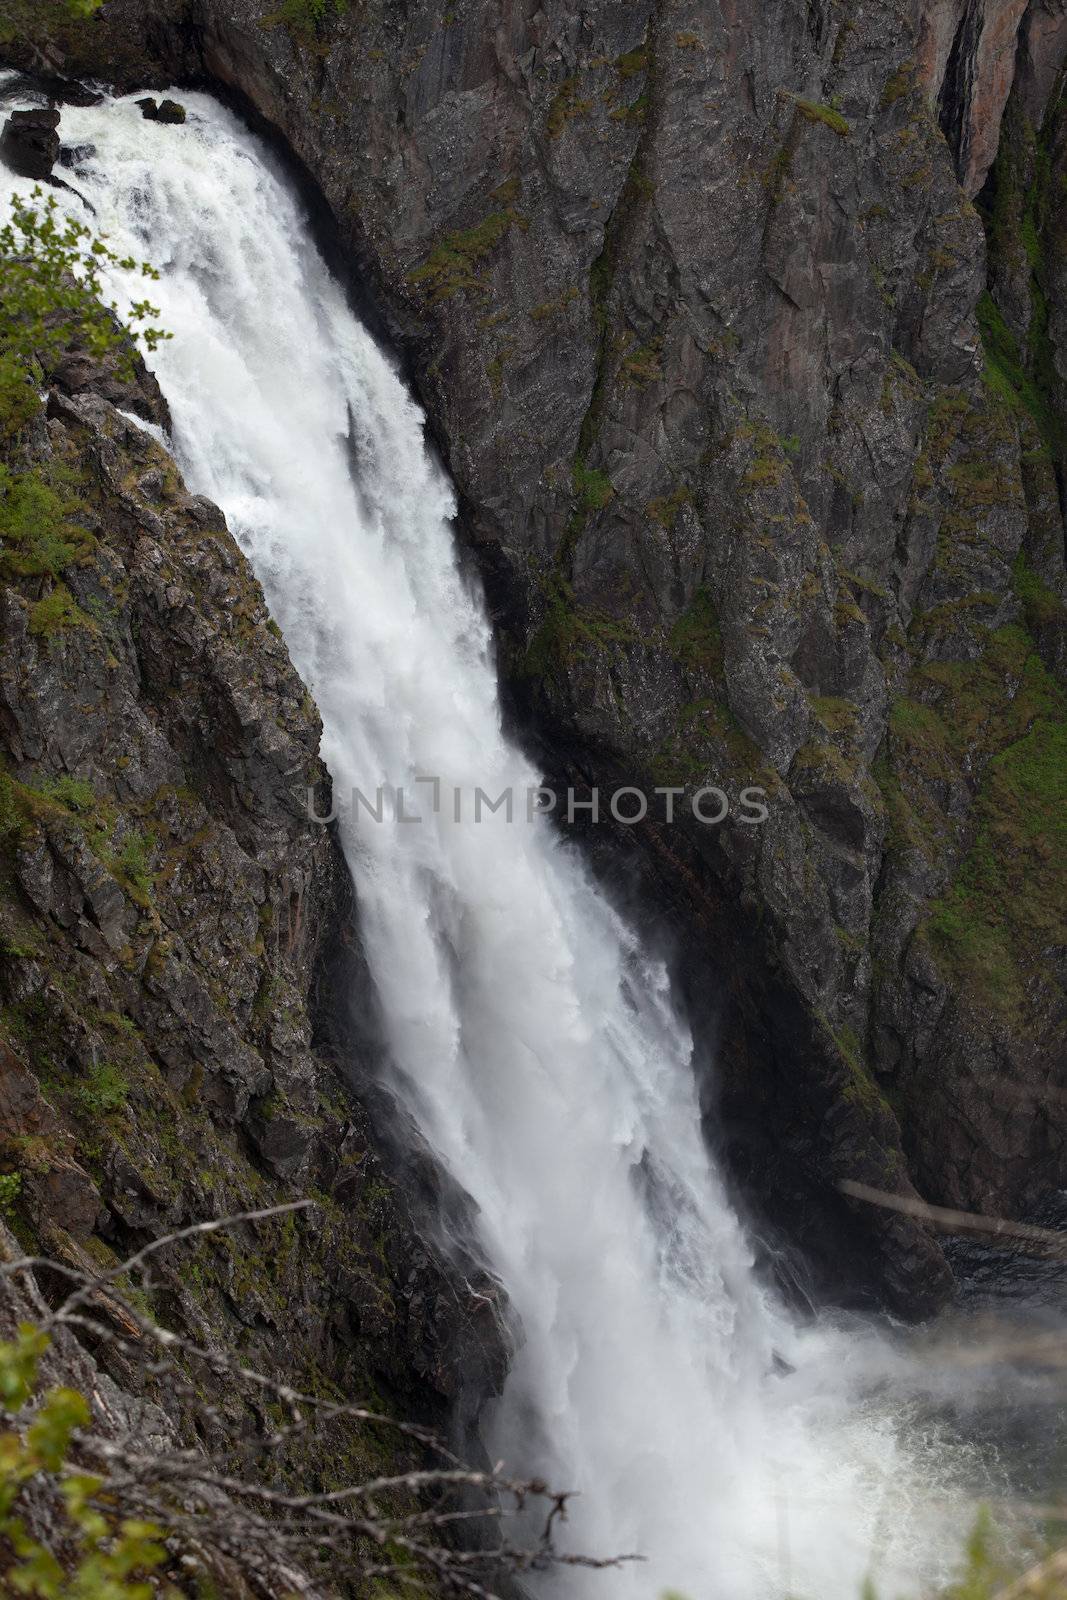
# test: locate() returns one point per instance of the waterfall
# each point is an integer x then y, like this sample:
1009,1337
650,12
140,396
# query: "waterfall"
533,1040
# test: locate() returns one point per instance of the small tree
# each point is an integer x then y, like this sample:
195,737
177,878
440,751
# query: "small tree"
105,1557
51,300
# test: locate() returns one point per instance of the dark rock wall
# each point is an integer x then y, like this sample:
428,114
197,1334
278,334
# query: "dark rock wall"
766,486
164,1013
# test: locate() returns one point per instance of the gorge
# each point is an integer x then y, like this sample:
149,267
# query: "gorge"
799,528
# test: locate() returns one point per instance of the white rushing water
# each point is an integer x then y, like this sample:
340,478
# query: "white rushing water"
534,1042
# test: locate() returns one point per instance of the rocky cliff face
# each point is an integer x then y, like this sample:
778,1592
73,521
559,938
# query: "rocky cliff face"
166,1008
767,487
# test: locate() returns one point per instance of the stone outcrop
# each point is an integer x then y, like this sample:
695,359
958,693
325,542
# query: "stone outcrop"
697,298
167,111
30,142
176,944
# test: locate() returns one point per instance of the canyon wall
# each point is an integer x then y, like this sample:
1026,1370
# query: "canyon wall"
739,329
178,958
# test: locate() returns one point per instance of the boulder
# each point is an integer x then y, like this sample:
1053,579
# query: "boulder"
67,91
161,111
30,142
72,156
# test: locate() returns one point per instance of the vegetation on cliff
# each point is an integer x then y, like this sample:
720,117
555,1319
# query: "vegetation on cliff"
161,898
101,1500
51,299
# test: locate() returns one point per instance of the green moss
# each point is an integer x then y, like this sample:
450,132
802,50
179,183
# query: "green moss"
73,793
566,105
946,418
1042,361
102,1093
553,308
861,1090
637,112
829,118
821,762
706,742
450,269
495,369
22,807
769,465
696,638
570,634
766,472
1005,907
857,580
636,192
593,488
131,866
37,533
1008,378
1020,217
913,720
836,714
56,612
901,83
633,62
667,509
1043,608
68,801
642,367
305,19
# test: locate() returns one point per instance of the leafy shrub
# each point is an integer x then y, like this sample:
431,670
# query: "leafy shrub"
50,299
74,793
131,865
57,611
105,1091
37,536
110,1558
10,1189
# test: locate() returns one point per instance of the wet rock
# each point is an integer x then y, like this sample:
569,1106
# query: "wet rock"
168,111
78,373
22,1109
64,91
30,142
283,1144
70,1199
73,156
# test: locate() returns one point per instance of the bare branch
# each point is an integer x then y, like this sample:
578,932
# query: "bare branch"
404,1526
1050,1242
